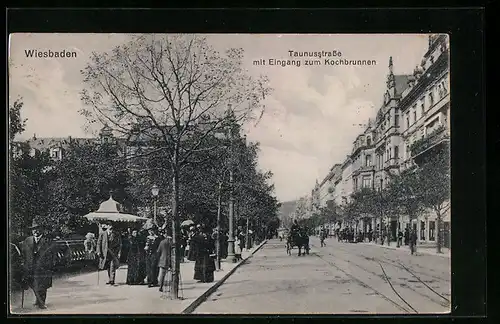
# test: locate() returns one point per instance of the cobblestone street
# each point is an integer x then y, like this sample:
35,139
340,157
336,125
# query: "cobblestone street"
339,278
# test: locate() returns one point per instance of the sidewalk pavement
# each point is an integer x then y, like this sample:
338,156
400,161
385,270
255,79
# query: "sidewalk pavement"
82,294
446,253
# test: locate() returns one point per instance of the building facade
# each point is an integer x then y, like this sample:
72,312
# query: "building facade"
425,108
412,123
57,147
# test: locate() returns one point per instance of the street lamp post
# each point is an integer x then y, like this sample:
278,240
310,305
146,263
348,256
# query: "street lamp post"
230,248
218,247
155,191
230,242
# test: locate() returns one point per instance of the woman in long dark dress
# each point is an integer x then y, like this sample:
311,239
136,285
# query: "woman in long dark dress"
204,247
225,244
152,242
136,265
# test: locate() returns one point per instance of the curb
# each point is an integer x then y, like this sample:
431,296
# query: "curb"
443,255
198,301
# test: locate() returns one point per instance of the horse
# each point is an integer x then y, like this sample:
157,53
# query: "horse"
298,239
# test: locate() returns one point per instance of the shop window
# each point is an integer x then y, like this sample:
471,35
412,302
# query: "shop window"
432,231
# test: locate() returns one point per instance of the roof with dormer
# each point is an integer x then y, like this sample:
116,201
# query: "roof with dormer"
45,143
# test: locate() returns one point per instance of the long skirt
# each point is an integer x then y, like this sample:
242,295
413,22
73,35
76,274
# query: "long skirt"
152,269
204,268
224,246
136,269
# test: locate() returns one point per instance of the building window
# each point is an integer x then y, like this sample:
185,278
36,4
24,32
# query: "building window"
422,230
368,160
408,153
431,98
432,59
432,231
445,90
366,182
407,120
369,141
396,152
414,115
396,120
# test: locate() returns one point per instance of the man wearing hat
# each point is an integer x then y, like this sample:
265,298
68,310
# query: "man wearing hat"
109,247
39,260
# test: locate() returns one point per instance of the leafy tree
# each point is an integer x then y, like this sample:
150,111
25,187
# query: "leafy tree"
16,123
28,176
368,201
82,180
434,179
171,89
28,190
405,193
331,212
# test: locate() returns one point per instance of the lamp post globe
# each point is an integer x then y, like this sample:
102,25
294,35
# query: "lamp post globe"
155,191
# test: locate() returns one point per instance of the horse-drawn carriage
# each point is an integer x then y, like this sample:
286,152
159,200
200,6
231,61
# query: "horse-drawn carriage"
297,238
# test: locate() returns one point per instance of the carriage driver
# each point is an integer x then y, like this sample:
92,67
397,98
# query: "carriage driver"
295,227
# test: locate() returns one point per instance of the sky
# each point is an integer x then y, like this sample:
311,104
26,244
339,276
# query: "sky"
310,119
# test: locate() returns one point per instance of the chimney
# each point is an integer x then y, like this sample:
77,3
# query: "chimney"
34,136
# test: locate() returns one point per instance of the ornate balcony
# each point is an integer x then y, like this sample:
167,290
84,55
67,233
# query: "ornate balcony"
365,168
437,136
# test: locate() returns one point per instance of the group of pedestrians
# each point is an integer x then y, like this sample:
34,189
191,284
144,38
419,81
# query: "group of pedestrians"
347,234
148,255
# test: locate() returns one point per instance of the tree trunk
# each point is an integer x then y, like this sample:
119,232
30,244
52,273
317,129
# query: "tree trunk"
416,232
438,231
219,206
247,235
380,232
175,228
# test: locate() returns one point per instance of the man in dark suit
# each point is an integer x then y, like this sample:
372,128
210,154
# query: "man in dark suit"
109,247
38,266
165,257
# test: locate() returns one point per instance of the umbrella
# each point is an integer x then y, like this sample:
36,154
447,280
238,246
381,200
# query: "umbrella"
187,223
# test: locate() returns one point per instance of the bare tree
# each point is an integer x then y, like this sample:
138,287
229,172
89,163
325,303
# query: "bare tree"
172,90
